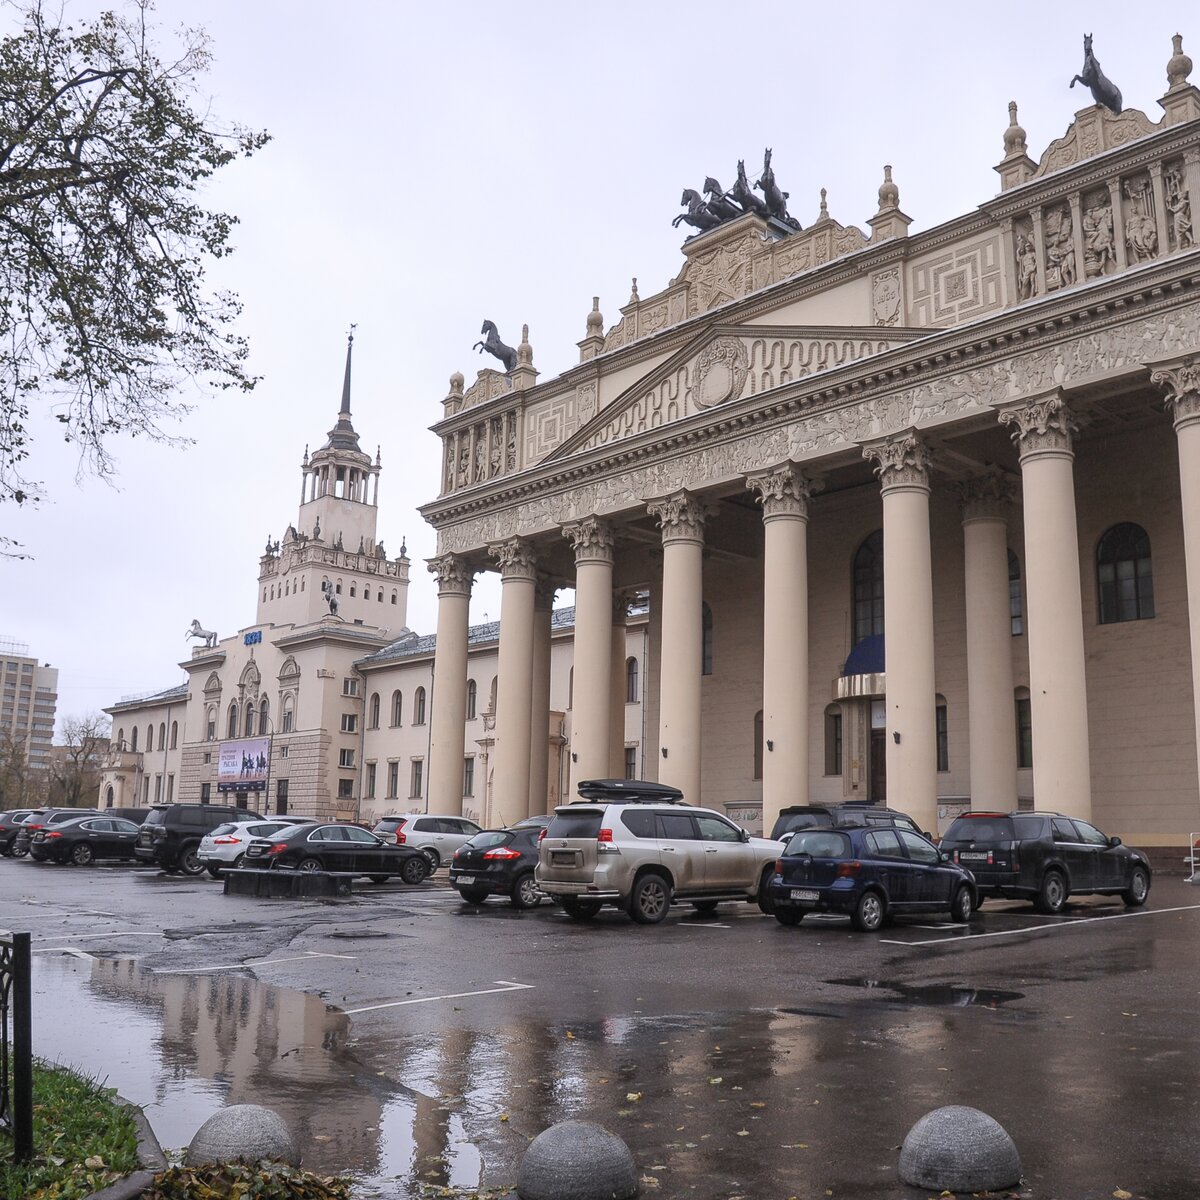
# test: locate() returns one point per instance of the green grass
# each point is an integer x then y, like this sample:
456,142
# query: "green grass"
81,1141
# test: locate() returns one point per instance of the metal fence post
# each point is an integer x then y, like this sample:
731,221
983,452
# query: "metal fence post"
22,1049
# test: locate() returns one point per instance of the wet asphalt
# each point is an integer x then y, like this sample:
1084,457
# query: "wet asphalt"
419,1044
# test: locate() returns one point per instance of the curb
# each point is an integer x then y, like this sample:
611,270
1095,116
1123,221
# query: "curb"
150,1157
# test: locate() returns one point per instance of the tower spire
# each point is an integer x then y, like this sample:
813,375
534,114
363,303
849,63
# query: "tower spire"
345,410
342,435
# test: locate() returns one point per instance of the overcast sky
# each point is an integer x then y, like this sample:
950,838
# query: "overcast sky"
436,164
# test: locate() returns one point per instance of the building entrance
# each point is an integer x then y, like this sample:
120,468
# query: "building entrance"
877,775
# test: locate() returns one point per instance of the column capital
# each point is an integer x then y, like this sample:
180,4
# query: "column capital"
591,538
544,591
1041,425
454,575
783,491
680,517
516,558
986,497
901,461
621,601
1180,380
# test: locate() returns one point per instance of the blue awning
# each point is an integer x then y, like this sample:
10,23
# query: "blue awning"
867,658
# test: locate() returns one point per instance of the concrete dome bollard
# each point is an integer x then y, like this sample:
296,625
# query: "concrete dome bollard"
577,1160
959,1149
247,1131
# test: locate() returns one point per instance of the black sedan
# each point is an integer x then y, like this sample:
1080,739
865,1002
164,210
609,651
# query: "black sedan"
869,874
498,862
337,847
82,840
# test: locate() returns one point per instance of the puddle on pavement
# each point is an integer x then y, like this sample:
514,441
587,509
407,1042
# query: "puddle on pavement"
935,995
185,1045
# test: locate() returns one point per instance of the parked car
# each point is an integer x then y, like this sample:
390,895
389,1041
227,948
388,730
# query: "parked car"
437,836
838,816
136,815
44,818
637,846
539,821
10,823
498,862
225,846
82,840
337,847
1046,857
171,833
869,874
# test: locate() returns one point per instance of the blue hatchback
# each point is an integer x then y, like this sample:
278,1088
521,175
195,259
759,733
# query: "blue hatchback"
870,874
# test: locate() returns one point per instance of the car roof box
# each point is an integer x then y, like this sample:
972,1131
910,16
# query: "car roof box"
630,791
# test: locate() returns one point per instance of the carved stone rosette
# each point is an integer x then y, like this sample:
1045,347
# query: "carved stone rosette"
680,516
986,497
592,539
1042,425
901,462
783,491
1181,382
516,558
454,576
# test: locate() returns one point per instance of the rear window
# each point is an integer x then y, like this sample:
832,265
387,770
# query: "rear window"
389,824
228,827
790,821
980,829
156,816
820,843
575,824
493,837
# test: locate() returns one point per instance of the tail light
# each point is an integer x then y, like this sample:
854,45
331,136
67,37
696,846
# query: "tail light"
225,841
542,835
53,833
502,853
278,848
848,870
401,838
956,856
779,866
605,835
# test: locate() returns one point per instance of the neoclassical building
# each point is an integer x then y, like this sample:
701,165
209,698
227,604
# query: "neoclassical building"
916,514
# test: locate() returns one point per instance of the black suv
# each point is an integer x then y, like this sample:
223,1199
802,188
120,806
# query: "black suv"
10,825
1045,857
170,835
854,814
42,818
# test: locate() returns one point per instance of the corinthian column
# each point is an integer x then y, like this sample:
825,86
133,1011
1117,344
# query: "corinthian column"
539,720
1181,381
902,464
681,518
991,713
514,691
1042,428
593,542
784,492
447,730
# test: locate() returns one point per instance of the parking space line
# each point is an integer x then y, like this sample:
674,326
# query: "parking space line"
1070,923
698,925
73,951
81,937
505,986
307,956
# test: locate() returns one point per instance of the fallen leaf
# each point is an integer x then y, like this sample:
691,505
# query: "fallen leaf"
570,1035
714,1079
743,1133
504,1116
649,1181
1121,1193
757,1104
633,1097
95,1161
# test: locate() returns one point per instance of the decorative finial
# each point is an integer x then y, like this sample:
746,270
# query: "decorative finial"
1180,66
350,336
595,321
634,298
345,409
456,383
889,193
306,454
824,207
1014,135
403,547
378,460
525,350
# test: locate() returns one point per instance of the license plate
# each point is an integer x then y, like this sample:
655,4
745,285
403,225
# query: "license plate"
39,837
465,879
805,894
564,857
971,856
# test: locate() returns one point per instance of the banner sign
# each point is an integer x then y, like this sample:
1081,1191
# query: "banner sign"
244,766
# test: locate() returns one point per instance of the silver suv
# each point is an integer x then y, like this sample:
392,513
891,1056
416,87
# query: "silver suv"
436,836
638,846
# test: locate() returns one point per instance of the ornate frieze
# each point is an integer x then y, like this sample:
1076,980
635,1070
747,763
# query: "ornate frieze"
986,497
516,558
680,517
783,491
1094,130
454,576
1181,382
591,538
1040,425
901,461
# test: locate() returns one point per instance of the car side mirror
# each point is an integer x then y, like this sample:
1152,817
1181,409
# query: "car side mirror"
944,856
745,835
1114,841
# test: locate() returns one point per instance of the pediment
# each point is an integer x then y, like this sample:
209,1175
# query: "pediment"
1094,130
723,364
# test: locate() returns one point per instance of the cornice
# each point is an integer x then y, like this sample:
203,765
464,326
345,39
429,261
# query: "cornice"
348,635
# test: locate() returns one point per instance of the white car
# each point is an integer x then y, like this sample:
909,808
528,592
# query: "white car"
436,836
225,846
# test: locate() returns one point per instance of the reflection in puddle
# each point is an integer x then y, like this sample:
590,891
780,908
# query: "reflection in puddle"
936,995
183,1046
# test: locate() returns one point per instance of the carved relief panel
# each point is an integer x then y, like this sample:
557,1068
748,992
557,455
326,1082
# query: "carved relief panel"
1141,217
1178,206
956,284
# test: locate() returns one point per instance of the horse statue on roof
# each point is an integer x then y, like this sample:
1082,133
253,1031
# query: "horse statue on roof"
776,199
698,214
209,635
1104,91
495,347
744,195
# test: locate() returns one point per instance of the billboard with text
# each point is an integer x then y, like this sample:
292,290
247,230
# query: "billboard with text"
243,766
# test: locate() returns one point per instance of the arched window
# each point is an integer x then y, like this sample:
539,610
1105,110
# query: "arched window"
133,739
109,797
379,598
302,583
397,708
868,588
393,597
833,739
942,733
373,711
472,699
174,735
352,592
272,591
492,696
249,720
264,719
338,587
288,716
149,739
264,595
631,680
1016,610
706,639
1024,729
121,738
1124,576
162,735
419,707
758,743
233,725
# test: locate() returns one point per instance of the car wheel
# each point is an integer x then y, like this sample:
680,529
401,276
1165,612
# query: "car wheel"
1139,888
82,855
238,863
20,851
705,908
868,913
310,865
650,899
524,893
379,878
214,869
415,869
432,855
579,910
766,903
789,916
1052,895
474,895
189,859
961,907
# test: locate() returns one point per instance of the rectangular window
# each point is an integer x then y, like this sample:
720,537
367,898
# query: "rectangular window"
345,789
210,733
393,788
349,687
170,789
281,797
207,757
468,777
1024,733
205,793
349,723
833,740
418,769
943,740
287,720
630,762
283,751
346,758
370,793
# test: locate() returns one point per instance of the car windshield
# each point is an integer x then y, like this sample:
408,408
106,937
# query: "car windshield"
493,837
585,824
980,829
820,843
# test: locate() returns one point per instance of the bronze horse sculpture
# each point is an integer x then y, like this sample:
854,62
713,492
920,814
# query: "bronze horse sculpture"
718,202
494,346
1104,91
698,213
776,198
742,193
